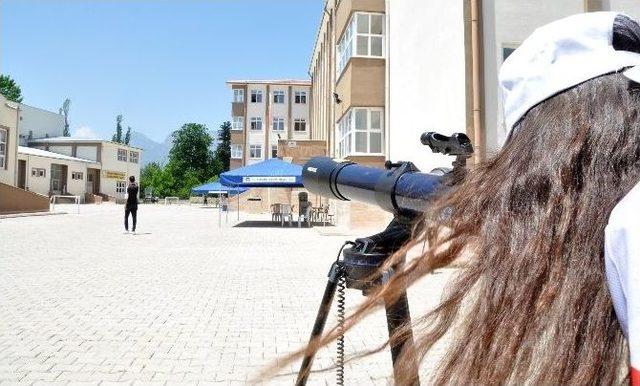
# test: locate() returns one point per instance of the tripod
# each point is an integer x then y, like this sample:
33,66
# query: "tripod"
357,269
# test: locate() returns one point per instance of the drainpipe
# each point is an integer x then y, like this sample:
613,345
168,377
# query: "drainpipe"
477,80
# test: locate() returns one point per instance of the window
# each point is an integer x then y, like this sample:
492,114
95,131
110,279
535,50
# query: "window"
238,123
278,96
37,172
256,96
360,132
274,151
121,187
134,157
238,95
77,176
256,123
3,147
278,124
122,155
299,125
300,97
363,37
255,151
236,151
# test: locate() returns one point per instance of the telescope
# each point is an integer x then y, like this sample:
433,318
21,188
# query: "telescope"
401,189
398,188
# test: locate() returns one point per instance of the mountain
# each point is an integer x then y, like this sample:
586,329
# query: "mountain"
152,151
159,151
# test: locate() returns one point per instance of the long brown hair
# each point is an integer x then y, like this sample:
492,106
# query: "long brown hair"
531,303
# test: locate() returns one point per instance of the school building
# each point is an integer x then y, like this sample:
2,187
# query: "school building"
37,162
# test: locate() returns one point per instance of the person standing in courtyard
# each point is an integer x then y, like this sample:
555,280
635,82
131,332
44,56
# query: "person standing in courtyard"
131,206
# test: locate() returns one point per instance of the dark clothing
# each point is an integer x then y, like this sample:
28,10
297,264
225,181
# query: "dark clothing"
134,217
131,206
132,196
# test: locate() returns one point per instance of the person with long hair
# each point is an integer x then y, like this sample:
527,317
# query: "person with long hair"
531,303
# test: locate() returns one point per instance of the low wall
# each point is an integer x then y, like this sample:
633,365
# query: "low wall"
16,200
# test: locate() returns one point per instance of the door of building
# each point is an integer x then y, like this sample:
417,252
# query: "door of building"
22,173
89,181
56,179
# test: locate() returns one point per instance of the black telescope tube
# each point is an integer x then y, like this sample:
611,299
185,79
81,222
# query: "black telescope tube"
346,181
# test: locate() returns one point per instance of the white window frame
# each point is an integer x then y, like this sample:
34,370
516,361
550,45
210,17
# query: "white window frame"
255,151
38,172
236,151
4,138
121,187
134,157
122,155
346,130
277,124
77,175
347,44
274,147
278,96
296,125
300,97
238,123
238,95
255,124
256,96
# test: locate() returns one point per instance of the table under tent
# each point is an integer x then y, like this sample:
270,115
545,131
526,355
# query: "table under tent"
272,173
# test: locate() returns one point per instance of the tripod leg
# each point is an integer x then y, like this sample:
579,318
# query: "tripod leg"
398,316
318,326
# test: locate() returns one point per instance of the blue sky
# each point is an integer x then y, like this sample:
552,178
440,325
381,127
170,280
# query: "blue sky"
159,63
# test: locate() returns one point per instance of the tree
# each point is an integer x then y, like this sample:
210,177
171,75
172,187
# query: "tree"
65,110
191,151
10,89
117,137
127,136
223,151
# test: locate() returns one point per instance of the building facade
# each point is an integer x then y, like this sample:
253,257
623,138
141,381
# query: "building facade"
263,112
348,80
8,140
436,70
36,123
108,164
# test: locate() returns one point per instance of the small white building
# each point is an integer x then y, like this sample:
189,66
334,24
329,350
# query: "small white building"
49,173
108,164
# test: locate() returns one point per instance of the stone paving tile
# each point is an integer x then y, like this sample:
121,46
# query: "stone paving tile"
182,302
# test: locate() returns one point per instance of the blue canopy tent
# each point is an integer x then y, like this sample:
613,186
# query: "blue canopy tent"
216,188
272,173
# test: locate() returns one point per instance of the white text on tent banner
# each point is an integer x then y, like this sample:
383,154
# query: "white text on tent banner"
264,180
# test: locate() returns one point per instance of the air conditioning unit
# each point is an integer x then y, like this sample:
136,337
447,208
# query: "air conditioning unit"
287,159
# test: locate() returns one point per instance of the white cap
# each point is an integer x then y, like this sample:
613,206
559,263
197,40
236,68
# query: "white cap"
558,56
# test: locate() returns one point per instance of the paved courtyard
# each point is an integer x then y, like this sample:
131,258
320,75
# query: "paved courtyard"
182,302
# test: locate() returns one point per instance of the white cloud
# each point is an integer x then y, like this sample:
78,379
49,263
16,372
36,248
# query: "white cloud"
84,132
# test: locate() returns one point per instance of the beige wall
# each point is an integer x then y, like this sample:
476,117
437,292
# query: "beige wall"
362,84
301,151
8,122
110,162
